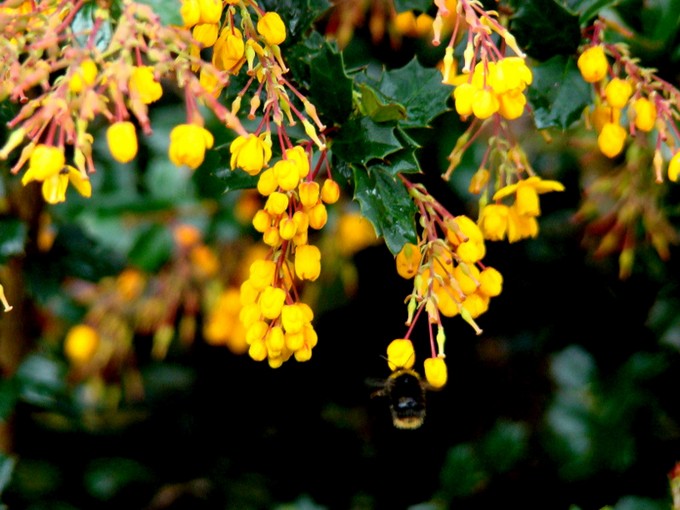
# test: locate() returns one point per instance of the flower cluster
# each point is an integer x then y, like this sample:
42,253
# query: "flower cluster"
630,101
277,325
446,267
635,108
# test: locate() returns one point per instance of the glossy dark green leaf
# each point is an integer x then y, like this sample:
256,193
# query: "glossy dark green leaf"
588,9
168,11
419,89
361,140
152,248
386,203
41,379
9,393
462,473
544,28
558,94
12,238
330,89
377,109
505,445
236,179
7,464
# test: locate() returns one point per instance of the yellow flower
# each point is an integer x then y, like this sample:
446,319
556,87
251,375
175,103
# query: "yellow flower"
250,152
511,104
287,174
54,187
276,203
271,301
143,84
122,139
299,156
618,92
266,183
45,161
674,167
84,76
484,103
400,354
188,143
520,226
191,12
490,282
593,64
211,10
602,114
408,261
206,33
318,216
463,96
355,233
262,274
526,194
611,139
294,317
81,344
229,50
271,27
645,114
330,191
436,373
493,221
308,192
307,262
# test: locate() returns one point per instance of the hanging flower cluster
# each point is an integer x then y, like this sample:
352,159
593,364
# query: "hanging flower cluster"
634,114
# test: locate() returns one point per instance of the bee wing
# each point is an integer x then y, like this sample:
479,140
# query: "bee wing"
378,385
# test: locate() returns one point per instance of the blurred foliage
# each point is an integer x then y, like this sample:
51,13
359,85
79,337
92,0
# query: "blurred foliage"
567,401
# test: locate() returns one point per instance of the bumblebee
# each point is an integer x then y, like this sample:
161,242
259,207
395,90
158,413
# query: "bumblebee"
405,391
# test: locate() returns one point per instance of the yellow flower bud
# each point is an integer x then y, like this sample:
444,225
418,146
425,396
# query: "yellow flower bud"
293,318
330,191
405,23
318,216
211,10
271,28
618,92
84,76
301,219
287,228
674,167
287,174
143,84
276,204
262,274
267,184
309,193
400,354
271,301
191,12
446,303
122,139
645,114
463,95
206,33
467,276
307,262
408,261
299,156
611,139
261,221
490,282
484,104
258,350
188,143
593,64
248,294
250,152
511,104
294,341
81,344
274,340
602,114
271,237
436,373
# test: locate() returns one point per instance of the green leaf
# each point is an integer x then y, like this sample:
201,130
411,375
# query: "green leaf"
462,473
41,379
385,202
361,140
573,368
558,94
152,249
7,464
419,89
236,179
378,110
505,445
412,5
12,238
168,11
588,9
545,28
106,478
9,393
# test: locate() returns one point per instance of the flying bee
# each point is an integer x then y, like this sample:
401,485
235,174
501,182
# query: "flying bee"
405,392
